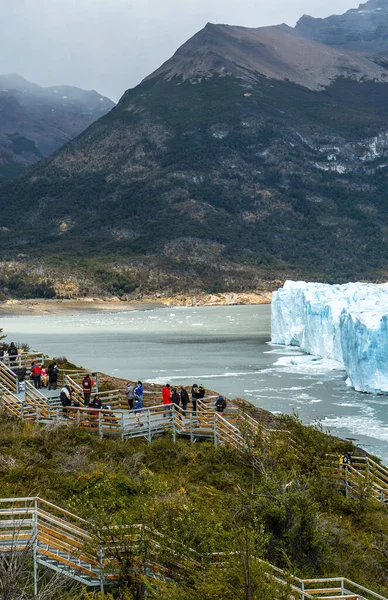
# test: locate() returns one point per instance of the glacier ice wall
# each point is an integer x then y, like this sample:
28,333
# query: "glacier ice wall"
347,323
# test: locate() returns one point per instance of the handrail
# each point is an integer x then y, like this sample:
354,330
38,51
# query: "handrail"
91,564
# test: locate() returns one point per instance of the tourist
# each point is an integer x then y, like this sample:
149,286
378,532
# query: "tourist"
65,397
220,404
184,400
96,402
201,392
175,397
12,353
139,391
166,396
36,373
87,384
194,397
44,379
53,373
137,407
131,395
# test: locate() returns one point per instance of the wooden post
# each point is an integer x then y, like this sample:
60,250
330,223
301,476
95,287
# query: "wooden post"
37,414
100,431
215,430
191,427
149,425
173,424
35,549
101,566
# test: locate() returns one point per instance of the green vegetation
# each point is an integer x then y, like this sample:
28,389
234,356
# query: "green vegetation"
287,509
211,181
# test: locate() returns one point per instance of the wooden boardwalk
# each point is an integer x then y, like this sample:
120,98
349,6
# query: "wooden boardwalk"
63,542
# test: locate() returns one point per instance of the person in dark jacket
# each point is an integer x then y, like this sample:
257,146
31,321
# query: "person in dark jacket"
65,398
53,373
201,391
184,399
220,404
12,353
175,397
194,397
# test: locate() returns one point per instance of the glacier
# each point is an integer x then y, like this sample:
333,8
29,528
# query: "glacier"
346,323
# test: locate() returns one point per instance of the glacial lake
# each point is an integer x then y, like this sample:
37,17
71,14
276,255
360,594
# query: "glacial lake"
226,349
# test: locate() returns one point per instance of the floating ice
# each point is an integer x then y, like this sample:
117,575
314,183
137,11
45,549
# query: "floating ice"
346,323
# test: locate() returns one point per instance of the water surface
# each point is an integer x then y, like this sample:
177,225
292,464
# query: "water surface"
225,348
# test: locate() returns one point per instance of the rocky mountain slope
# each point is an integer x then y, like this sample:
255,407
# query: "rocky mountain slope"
36,121
251,154
272,52
363,28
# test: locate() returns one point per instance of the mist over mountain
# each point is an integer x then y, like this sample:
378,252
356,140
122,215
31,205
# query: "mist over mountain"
251,154
36,121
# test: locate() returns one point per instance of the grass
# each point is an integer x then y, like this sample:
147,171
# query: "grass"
211,499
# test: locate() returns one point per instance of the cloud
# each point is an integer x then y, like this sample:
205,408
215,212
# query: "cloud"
111,45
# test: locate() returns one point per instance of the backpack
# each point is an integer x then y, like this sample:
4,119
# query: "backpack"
64,399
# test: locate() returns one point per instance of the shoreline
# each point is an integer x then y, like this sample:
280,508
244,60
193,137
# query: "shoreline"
54,307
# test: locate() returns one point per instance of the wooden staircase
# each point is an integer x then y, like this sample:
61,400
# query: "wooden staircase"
67,544
363,476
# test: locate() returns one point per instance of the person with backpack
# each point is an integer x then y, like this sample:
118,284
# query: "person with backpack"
194,397
53,373
87,384
139,391
184,400
65,397
131,395
220,404
138,404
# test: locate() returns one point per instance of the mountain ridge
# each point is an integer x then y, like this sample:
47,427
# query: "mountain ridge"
216,176
361,29
273,52
35,121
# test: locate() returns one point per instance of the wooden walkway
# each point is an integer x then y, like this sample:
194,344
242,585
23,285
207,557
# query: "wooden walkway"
234,427
63,542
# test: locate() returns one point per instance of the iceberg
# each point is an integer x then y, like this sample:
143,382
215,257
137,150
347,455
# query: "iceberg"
345,323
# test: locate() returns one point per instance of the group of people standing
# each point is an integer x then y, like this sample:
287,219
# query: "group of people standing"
46,378
172,396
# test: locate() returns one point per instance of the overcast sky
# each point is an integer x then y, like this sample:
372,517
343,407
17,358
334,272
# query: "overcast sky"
111,45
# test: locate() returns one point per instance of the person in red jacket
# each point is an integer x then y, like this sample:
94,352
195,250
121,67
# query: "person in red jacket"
36,373
87,384
166,395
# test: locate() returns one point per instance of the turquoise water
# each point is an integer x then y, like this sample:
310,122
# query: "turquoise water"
225,348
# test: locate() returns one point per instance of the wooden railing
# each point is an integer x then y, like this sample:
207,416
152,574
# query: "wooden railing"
8,378
64,542
36,399
363,476
24,359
